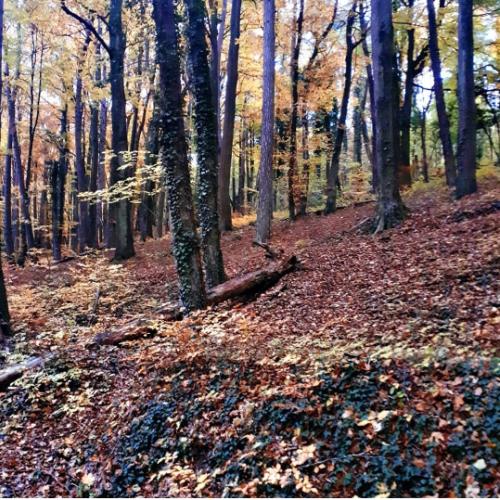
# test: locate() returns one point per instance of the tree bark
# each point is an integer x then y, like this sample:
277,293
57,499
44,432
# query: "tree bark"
206,131
173,151
224,201
444,123
294,79
333,171
390,209
466,150
265,202
120,210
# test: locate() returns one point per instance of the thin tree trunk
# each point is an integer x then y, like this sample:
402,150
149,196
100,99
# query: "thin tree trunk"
224,201
333,171
444,123
7,196
294,79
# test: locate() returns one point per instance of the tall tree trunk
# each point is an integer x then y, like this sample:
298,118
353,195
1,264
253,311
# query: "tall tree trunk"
357,124
444,123
57,181
173,151
147,206
265,202
26,227
81,175
206,132
304,185
466,150
120,210
369,82
390,209
7,196
294,112
224,201
404,175
333,171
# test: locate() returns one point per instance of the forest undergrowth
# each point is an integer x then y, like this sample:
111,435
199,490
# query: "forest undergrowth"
371,370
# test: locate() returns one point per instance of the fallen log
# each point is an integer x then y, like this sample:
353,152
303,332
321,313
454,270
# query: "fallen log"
252,282
13,372
234,288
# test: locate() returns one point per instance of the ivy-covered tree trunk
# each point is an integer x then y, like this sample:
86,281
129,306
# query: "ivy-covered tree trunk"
4,310
120,210
333,171
206,133
466,150
173,153
390,209
444,122
265,202
224,201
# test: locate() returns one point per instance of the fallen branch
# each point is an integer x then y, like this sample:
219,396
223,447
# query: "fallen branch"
252,282
237,287
13,372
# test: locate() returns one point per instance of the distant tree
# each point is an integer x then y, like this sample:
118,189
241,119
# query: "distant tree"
466,150
173,155
205,119
224,201
294,114
333,171
120,211
265,203
390,209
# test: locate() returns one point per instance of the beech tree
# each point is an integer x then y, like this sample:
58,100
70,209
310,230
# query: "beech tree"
206,132
444,123
173,154
390,209
224,200
265,203
466,148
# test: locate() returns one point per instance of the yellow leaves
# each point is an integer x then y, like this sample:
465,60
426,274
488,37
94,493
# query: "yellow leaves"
88,479
302,455
272,475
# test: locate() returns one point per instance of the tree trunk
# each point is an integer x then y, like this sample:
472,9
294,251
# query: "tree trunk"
294,79
173,151
120,210
265,202
333,171
206,132
369,81
224,201
390,209
7,196
466,150
57,182
81,175
4,308
304,185
444,123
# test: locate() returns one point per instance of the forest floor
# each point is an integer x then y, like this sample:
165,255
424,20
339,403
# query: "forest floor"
370,370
